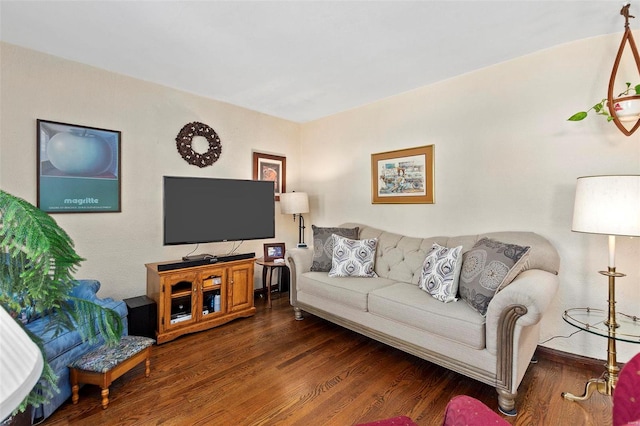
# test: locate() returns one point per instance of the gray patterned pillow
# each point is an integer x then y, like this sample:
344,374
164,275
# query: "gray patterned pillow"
323,245
488,267
353,258
441,272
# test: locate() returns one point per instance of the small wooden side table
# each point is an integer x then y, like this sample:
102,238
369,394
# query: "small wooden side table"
267,275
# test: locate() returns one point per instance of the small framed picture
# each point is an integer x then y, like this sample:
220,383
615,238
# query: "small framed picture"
273,251
272,168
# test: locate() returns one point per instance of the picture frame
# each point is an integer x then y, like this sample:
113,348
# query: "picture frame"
78,168
273,251
404,176
272,168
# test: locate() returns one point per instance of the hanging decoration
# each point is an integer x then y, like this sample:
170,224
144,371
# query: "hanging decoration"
184,142
619,106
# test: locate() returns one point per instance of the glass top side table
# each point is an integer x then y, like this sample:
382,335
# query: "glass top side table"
594,321
625,328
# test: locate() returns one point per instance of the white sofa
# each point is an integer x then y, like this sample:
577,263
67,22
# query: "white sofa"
495,349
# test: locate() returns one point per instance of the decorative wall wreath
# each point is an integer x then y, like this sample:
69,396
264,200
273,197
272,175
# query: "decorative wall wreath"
184,141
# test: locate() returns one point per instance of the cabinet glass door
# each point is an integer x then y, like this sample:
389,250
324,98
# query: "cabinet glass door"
213,295
180,298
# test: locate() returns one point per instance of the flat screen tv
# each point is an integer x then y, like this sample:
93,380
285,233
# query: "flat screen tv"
204,210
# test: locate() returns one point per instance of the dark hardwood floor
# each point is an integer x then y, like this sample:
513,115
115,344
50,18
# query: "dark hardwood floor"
272,370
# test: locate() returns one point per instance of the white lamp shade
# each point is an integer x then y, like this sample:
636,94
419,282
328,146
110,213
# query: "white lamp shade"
20,364
607,205
294,203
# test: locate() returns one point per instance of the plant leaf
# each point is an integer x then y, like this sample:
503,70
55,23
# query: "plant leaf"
578,116
37,263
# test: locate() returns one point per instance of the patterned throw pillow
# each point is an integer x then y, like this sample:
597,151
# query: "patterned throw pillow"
441,272
489,267
353,258
323,245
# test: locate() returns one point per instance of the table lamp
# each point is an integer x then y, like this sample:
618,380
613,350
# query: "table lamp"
20,364
608,205
296,203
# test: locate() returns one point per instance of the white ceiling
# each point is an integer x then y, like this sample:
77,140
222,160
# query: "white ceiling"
301,60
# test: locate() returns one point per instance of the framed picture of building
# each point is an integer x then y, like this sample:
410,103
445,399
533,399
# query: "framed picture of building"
403,176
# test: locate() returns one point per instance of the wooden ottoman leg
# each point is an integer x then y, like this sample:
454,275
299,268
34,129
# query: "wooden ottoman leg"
147,363
105,398
73,373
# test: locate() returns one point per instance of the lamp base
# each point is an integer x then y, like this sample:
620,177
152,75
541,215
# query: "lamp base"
603,385
607,382
302,245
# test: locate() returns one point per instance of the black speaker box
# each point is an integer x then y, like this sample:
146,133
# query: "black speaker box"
143,316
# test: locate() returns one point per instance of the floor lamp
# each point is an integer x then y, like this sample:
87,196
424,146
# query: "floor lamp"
608,205
296,203
20,364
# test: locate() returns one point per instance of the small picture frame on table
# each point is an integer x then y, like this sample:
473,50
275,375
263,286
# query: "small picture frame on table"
273,252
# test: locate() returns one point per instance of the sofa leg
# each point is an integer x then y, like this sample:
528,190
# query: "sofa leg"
507,403
298,313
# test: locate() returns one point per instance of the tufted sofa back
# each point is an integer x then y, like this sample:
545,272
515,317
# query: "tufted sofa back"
400,258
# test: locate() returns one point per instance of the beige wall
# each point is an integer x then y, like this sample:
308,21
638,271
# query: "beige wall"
117,245
505,159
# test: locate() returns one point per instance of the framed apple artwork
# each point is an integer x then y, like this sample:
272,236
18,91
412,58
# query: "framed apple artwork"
78,168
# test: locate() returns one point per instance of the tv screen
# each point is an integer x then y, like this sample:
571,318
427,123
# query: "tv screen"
204,210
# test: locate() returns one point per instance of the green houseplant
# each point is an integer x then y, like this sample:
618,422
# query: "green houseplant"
601,107
37,262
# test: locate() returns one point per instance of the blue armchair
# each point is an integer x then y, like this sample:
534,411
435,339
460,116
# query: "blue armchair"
67,346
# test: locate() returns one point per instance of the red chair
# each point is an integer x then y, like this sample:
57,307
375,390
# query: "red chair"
463,410
626,395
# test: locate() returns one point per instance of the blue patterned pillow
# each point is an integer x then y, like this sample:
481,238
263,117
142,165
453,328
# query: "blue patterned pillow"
441,272
353,258
489,267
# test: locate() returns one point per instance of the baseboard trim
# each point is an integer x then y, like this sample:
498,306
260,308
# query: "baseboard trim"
584,362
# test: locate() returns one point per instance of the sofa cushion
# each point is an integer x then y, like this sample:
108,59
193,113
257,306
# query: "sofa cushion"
353,258
487,267
407,304
323,245
441,272
351,291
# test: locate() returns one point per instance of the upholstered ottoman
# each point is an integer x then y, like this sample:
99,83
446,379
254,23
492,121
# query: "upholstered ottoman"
105,364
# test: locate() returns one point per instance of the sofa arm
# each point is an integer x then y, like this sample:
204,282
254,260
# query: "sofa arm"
300,258
534,289
299,261
87,290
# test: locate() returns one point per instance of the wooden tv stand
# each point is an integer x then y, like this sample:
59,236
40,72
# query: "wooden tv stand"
186,297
